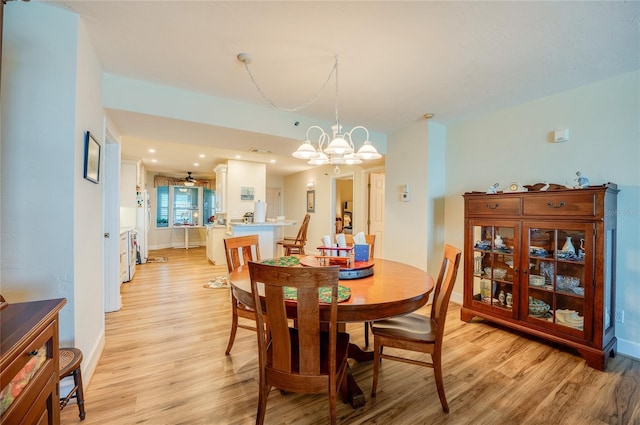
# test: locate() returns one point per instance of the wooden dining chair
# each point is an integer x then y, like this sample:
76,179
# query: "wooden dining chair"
310,358
240,250
371,241
296,245
415,332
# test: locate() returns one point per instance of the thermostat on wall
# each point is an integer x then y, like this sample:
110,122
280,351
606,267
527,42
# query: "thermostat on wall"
560,136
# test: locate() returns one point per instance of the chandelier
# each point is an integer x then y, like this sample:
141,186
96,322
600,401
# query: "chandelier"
337,149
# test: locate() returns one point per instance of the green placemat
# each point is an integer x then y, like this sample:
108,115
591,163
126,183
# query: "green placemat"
324,294
282,261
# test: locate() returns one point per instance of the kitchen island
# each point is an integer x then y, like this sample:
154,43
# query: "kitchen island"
268,234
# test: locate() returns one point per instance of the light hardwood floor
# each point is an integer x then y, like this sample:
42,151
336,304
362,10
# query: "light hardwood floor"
164,363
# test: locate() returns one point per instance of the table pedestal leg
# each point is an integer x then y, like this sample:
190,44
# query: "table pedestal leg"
354,395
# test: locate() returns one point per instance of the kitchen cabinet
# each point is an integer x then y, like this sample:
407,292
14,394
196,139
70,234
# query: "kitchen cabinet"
128,253
215,244
29,365
124,257
543,263
141,177
221,188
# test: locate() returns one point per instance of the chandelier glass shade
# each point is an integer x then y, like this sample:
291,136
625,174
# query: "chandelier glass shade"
336,150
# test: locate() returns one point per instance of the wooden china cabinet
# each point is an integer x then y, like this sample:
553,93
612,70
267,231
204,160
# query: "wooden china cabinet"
543,263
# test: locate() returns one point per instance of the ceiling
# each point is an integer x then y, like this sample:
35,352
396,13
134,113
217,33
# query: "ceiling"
398,61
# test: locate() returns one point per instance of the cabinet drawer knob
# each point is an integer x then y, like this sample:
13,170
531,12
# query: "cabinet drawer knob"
32,353
493,206
560,205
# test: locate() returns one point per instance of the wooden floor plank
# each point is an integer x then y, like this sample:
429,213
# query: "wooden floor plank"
164,363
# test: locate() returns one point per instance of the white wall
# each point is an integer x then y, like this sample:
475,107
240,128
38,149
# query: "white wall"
155,99
514,145
405,223
244,174
88,224
51,216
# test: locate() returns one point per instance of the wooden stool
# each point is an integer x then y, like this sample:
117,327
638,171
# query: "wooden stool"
70,359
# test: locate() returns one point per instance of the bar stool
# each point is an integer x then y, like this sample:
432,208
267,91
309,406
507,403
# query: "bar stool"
70,359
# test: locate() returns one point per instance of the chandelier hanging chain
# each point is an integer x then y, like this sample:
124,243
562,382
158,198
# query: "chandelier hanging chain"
335,67
245,59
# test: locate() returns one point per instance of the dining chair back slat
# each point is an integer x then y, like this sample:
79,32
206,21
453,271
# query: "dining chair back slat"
308,358
239,250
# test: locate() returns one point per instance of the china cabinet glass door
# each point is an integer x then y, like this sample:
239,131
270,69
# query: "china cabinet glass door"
495,266
559,273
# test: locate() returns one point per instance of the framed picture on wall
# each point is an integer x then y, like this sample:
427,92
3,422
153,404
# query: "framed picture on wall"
91,158
246,193
311,201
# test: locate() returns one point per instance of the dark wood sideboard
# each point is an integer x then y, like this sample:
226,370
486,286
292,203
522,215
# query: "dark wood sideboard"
29,363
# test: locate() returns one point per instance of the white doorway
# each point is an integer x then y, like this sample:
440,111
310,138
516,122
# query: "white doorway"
375,212
343,206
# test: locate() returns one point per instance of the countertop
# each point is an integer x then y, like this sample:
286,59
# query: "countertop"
267,224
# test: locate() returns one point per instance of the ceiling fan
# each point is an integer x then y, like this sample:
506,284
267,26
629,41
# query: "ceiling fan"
189,181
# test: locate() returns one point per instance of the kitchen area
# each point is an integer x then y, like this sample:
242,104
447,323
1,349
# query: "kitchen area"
195,215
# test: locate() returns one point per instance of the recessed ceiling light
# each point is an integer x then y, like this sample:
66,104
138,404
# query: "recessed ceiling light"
154,160
238,156
195,164
152,150
273,161
201,155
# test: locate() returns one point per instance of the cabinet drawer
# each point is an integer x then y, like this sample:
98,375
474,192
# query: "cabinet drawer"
490,205
573,204
29,370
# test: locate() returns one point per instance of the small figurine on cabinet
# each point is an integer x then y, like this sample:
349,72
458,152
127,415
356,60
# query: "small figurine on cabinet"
583,182
493,189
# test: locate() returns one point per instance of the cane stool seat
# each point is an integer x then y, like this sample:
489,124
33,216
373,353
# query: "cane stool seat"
70,360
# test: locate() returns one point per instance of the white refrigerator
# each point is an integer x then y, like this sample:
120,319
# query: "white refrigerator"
143,223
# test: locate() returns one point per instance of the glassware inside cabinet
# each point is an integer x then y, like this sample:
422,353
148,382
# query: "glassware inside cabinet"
556,276
493,265
570,279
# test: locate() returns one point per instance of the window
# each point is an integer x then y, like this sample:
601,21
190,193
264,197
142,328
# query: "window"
182,206
208,205
185,206
162,209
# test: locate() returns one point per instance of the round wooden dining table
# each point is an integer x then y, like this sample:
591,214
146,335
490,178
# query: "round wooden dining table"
394,289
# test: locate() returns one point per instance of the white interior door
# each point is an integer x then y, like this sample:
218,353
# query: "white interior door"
111,223
376,211
273,202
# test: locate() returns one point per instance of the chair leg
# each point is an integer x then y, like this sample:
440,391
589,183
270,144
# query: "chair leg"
366,334
234,327
437,371
77,380
263,394
377,350
332,409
